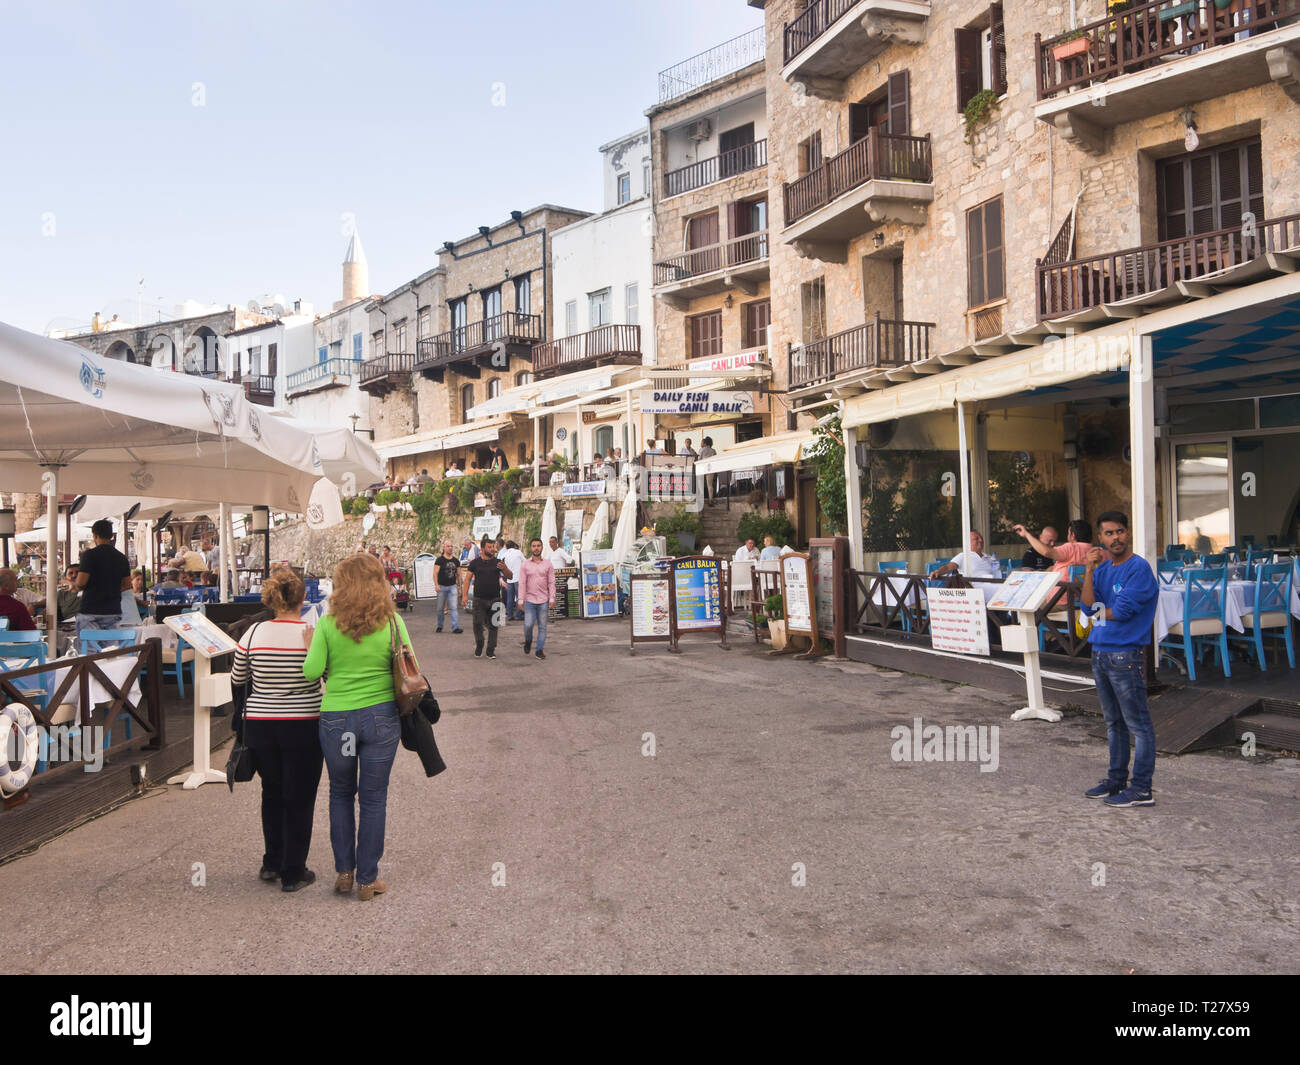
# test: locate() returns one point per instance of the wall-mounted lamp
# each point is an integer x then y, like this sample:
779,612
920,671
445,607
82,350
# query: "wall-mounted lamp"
1191,139
728,301
878,240
507,273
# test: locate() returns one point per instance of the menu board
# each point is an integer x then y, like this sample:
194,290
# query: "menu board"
201,633
1024,590
599,590
698,590
958,620
568,603
796,593
425,576
651,617
827,561
572,526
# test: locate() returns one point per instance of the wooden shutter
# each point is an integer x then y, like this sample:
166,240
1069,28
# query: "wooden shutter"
975,255
998,58
995,275
736,219
706,335
270,359
968,65
900,118
702,231
758,316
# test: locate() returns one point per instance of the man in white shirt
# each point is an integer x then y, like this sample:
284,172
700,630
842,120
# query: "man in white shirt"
747,552
972,563
454,471
560,558
514,560
687,450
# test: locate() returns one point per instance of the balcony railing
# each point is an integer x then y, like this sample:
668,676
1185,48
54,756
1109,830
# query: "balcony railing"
716,168
383,367
717,62
819,16
321,371
1147,34
883,342
606,343
259,388
877,156
738,251
1064,288
477,338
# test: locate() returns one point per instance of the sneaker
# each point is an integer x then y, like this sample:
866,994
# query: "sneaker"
1104,790
343,883
308,877
1131,797
366,892
438,629
492,655
527,647
478,651
541,653
457,632
267,873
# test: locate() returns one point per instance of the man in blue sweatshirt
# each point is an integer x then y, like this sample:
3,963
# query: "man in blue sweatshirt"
1126,590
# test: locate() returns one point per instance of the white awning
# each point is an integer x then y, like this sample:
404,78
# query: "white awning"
767,451
443,440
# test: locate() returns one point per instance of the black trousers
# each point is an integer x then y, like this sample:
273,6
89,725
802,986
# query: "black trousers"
487,613
288,758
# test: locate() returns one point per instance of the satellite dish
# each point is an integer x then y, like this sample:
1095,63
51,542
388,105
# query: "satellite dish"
368,522
278,310
77,504
131,513
254,306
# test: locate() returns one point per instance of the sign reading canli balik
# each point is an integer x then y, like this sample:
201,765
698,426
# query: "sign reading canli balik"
685,401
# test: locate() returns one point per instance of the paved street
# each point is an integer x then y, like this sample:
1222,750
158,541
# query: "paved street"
615,861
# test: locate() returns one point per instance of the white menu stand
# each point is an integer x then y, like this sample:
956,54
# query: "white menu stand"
210,690
1022,594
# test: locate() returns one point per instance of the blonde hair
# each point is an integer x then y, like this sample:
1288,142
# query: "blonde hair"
283,590
360,602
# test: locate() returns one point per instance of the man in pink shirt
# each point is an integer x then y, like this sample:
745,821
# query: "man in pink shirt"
1073,552
537,591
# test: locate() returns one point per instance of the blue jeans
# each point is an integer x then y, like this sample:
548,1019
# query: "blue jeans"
448,594
512,601
1122,689
359,747
535,617
98,621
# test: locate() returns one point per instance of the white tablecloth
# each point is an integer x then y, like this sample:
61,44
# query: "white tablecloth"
116,669
1169,611
163,632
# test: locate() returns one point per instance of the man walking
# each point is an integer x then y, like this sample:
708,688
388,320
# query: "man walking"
1124,586
514,559
488,573
102,571
537,586
448,567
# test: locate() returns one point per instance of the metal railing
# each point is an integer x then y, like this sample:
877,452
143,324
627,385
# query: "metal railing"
883,342
717,62
1064,288
1147,34
382,366
716,168
883,156
816,19
320,371
603,342
477,338
748,248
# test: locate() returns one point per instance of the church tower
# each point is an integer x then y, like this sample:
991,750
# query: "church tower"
356,275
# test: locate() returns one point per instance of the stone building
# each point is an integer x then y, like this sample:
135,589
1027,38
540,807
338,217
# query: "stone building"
189,344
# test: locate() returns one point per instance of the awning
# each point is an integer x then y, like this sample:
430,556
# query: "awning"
444,439
775,450
584,382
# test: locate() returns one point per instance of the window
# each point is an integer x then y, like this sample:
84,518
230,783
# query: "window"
602,439
598,309
624,188
494,388
810,153
523,295
888,110
984,253
1210,190
356,346
981,56
459,317
422,323
704,334
466,401
377,343
255,361
271,359
491,310
755,318
323,355
631,310
645,180
813,301
523,378
399,335
570,318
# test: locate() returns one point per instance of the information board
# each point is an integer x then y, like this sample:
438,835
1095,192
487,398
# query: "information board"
1024,590
572,526
424,576
828,561
487,524
651,608
796,594
567,600
958,620
697,587
582,488
599,587
201,633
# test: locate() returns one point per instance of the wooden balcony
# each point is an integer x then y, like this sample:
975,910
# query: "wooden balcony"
716,168
385,373
831,39
881,343
1167,272
604,345
486,343
883,177
1162,56
258,388
738,263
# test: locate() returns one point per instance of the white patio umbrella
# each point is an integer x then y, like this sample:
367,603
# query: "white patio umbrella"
625,528
599,527
548,526
71,420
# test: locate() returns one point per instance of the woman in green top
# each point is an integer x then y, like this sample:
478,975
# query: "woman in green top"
359,730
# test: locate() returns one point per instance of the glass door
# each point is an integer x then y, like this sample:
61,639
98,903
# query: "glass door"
1201,490
1266,489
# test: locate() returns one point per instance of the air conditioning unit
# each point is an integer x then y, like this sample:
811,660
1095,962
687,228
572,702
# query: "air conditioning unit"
701,130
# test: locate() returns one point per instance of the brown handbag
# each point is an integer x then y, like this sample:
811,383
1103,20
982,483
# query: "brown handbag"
409,687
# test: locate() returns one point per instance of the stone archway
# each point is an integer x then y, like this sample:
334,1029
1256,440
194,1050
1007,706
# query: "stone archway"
120,350
162,352
201,353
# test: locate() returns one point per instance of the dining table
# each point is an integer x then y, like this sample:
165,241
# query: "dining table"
1240,601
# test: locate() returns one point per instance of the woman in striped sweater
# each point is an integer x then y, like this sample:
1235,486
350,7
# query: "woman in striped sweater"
281,719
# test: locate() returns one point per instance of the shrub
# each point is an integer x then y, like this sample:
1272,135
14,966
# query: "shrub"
532,527
680,520
360,506
387,497
774,606
758,525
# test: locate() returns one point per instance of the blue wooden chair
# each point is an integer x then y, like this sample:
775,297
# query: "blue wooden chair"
892,567
1174,552
182,659
20,650
1189,558
1233,552
1203,625
171,595
1168,572
1214,561
1271,610
938,563
91,640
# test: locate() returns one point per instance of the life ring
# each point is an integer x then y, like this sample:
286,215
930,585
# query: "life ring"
17,718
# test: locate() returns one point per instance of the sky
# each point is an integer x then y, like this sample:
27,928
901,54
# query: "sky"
219,150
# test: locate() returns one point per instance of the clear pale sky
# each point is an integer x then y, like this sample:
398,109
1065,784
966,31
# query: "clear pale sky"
109,172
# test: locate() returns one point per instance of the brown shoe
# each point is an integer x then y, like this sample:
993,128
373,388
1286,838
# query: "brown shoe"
366,892
343,883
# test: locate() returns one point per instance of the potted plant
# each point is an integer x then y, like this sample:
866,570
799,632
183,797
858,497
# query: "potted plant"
774,611
1070,44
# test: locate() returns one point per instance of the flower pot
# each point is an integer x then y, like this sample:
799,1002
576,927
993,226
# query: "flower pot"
776,626
1069,49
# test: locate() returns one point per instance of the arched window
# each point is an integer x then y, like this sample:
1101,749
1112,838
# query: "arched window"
602,439
466,401
494,388
524,378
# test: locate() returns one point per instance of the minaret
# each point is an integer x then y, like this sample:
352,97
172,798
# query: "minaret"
356,275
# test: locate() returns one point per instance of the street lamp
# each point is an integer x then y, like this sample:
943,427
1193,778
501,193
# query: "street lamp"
261,525
354,418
